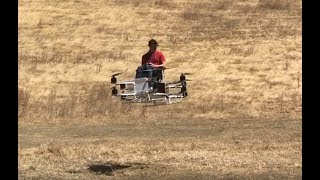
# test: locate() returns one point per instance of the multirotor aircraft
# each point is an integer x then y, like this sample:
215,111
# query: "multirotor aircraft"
148,87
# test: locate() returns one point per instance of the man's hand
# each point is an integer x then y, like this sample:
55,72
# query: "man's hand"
155,65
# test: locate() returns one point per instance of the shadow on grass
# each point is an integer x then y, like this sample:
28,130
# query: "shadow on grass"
107,168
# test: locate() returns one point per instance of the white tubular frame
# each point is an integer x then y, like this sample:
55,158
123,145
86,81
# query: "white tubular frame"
143,95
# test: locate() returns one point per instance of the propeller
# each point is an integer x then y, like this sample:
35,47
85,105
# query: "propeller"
115,74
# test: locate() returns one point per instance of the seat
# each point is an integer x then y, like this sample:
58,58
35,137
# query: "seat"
148,71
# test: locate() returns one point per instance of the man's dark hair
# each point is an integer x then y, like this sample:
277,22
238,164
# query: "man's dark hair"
153,41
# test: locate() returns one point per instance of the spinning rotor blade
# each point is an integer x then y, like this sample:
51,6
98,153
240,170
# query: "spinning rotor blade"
115,74
186,73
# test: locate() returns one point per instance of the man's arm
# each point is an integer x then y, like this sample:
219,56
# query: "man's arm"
143,61
161,65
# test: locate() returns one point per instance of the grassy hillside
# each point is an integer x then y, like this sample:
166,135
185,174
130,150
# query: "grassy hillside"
245,56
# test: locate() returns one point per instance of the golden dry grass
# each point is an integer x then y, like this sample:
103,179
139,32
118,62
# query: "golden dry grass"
224,149
245,57
196,156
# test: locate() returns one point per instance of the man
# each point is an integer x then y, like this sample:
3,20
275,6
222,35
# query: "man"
155,58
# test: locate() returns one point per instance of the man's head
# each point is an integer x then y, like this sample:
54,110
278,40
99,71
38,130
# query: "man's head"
153,45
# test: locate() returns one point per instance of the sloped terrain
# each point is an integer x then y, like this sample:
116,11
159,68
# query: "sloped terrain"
241,120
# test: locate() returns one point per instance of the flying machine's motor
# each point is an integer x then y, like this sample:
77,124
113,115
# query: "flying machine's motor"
114,79
182,77
184,84
114,91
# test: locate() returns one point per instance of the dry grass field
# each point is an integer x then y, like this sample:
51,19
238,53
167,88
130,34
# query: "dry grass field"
241,120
